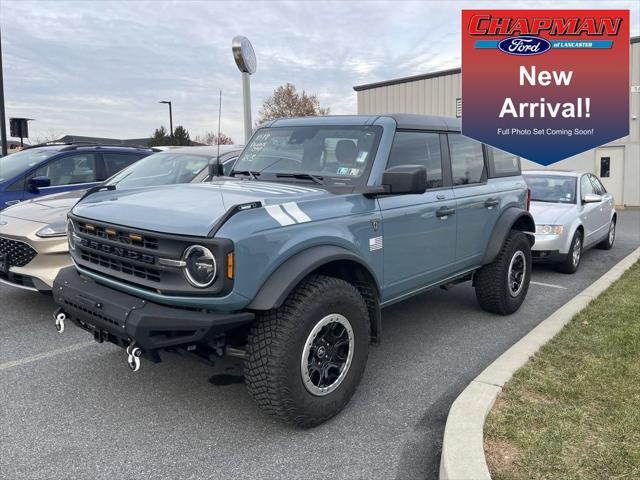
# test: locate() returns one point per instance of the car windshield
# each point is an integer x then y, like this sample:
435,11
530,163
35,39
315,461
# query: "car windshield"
337,155
164,168
16,163
552,188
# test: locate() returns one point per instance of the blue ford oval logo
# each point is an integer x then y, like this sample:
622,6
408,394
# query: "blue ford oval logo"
524,45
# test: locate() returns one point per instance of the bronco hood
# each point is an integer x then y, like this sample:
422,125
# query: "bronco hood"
186,209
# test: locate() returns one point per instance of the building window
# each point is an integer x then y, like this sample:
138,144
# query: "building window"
467,160
418,148
605,167
458,108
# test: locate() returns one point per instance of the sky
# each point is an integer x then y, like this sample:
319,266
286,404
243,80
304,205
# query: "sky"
99,68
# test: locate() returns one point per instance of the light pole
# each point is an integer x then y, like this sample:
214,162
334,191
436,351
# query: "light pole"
170,119
246,61
3,124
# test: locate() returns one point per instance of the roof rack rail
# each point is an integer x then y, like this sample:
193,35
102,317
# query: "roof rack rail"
78,144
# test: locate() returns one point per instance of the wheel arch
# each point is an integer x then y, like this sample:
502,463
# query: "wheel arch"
512,218
327,260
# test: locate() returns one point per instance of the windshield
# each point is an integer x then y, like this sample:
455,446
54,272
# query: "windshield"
339,155
166,168
552,188
19,162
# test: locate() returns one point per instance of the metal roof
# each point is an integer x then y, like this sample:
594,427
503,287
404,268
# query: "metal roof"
425,76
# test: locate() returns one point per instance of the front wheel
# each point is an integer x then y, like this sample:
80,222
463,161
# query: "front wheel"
572,260
607,243
502,285
307,357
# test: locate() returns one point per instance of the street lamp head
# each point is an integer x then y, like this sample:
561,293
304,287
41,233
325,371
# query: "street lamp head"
165,101
244,55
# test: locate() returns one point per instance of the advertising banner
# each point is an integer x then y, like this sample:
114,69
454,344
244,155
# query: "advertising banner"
545,84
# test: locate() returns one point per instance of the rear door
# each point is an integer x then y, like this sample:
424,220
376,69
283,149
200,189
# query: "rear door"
477,204
419,230
75,171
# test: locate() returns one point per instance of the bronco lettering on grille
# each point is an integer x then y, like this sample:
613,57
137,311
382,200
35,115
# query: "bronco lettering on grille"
118,251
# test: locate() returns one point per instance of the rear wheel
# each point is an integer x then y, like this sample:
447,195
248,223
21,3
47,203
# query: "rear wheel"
502,285
607,243
572,260
307,357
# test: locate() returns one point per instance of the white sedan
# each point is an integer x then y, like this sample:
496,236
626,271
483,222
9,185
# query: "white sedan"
573,212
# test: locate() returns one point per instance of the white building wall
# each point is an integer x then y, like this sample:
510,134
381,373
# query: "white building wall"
437,94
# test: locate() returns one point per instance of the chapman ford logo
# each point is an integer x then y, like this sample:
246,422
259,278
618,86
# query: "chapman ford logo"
524,45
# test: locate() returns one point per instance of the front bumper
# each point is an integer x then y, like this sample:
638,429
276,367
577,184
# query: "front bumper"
556,243
123,319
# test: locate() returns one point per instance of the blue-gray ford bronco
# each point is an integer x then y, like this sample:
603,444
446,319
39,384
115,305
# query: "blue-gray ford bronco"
288,262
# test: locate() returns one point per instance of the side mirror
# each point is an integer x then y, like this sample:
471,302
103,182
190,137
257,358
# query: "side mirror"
405,179
39,182
591,198
215,170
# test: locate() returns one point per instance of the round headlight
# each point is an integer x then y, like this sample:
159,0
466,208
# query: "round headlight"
200,266
71,235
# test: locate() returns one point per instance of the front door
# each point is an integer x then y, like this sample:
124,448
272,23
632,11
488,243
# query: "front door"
75,171
610,170
419,231
590,213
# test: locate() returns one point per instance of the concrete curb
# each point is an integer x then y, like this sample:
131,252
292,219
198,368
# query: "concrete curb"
463,444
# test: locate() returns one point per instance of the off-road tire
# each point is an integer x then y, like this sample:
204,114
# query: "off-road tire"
276,343
607,243
568,265
491,282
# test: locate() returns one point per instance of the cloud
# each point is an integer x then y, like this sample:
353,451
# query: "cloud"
100,68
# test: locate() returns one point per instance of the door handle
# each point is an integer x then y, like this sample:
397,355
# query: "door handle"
12,202
492,202
444,212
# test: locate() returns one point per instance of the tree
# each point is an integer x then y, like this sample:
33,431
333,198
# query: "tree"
211,138
287,102
160,137
181,136
50,136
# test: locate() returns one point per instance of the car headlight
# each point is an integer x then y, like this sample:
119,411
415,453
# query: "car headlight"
71,235
57,229
200,266
549,229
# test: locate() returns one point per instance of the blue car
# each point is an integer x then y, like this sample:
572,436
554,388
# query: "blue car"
59,168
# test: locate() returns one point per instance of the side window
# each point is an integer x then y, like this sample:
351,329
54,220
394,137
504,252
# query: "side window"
505,163
467,160
114,162
597,185
418,148
228,166
70,170
586,187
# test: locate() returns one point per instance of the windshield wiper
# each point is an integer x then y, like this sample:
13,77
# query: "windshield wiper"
251,173
305,176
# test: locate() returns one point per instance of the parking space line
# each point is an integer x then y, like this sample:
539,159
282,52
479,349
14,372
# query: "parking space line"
40,356
549,285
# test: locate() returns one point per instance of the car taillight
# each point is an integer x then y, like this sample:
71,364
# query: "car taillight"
528,198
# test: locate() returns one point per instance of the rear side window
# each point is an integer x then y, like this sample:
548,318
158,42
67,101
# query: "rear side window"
467,160
418,148
504,163
114,162
70,170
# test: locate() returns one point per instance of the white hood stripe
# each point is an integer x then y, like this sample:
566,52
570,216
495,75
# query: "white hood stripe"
292,209
278,215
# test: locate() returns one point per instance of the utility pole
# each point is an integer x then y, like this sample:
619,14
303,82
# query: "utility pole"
3,121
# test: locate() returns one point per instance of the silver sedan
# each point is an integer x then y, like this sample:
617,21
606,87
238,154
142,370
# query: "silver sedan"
573,212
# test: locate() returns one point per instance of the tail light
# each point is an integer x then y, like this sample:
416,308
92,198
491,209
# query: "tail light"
528,199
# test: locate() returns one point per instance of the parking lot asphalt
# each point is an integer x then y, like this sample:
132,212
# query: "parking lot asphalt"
71,408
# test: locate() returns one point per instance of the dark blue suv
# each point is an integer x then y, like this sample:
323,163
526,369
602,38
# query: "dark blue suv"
61,167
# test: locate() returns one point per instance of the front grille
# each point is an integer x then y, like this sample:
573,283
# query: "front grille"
18,253
119,265
118,235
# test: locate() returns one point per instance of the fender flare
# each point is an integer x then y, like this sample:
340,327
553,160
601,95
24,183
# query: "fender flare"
505,223
290,273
